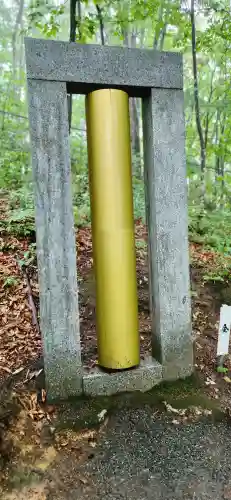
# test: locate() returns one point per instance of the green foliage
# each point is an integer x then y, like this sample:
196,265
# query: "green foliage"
140,24
20,220
13,166
45,17
29,257
82,215
141,246
222,369
22,198
217,277
211,228
23,228
10,281
138,199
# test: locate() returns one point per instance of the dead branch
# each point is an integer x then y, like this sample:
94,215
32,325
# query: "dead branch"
30,299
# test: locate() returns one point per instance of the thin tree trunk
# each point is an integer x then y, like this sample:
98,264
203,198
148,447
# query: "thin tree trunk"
73,21
222,164
222,173
21,51
196,99
9,84
135,134
164,29
217,158
158,42
157,36
101,24
135,121
162,36
14,36
208,114
73,27
142,37
79,19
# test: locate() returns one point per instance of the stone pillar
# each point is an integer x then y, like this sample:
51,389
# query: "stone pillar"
166,191
56,252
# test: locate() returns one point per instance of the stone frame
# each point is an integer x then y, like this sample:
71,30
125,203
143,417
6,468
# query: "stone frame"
55,69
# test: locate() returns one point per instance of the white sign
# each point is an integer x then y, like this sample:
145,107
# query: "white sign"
224,330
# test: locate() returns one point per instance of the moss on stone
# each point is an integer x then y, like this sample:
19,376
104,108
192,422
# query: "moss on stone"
80,413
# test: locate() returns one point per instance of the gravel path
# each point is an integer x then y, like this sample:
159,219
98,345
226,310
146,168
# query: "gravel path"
144,456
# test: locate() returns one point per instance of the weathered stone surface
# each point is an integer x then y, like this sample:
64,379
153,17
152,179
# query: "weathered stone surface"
56,250
94,66
164,156
50,65
143,378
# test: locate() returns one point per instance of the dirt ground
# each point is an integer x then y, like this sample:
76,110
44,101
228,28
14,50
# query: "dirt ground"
41,444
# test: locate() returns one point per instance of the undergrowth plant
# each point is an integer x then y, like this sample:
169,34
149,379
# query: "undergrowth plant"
212,228
209,227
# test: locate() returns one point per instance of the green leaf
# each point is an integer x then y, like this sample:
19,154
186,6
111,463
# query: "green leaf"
222,369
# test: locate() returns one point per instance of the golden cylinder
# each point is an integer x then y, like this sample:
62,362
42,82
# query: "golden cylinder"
110,180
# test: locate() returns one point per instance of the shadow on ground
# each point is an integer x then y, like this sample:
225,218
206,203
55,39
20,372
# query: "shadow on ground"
169,443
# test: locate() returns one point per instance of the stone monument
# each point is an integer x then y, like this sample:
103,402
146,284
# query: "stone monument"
55,69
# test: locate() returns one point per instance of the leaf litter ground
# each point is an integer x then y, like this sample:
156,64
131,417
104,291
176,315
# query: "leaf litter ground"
31,440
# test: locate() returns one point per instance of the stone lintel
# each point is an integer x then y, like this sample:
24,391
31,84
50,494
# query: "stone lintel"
88,67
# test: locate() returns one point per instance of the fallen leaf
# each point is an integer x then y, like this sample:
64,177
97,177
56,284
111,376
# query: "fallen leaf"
34,374
8,326
19,370
50,409
175,422
227,379
101,415
47,458
171,409
93,444
33,400
63,443
104,424
82,479
227,492
87,434
210,381
5,369
44,395
207,412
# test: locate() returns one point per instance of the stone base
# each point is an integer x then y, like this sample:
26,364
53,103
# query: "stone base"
98,383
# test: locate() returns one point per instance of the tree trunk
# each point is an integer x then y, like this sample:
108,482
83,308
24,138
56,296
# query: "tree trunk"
217,158
79,19
135,134
196,99
157,36
101,24
135,112
142,37
222,164
158,42
73,21
14,38
135,122
73,27
222,173
208,114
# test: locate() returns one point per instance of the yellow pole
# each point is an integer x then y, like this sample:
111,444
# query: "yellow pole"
109,159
